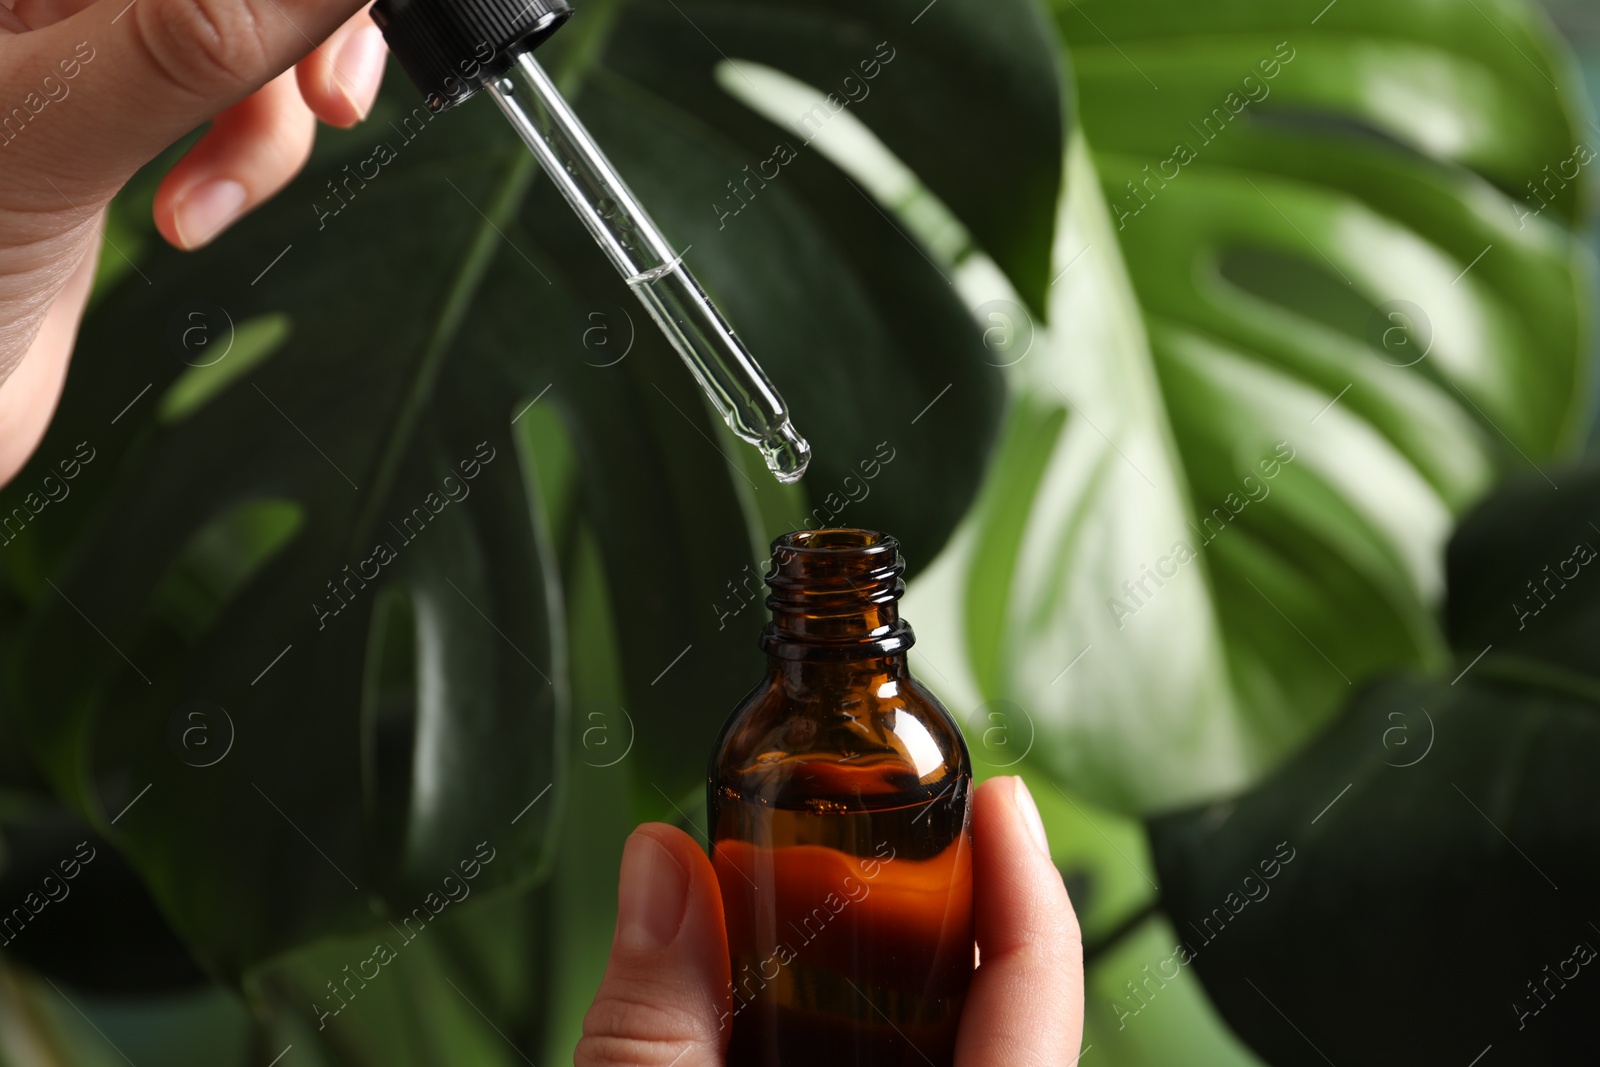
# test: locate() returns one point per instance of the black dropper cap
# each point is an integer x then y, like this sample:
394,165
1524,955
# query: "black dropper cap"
453,48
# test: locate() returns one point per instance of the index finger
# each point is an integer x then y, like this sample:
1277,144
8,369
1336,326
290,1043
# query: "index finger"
141,74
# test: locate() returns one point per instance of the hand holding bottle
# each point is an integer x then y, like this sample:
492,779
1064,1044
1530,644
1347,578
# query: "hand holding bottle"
91,90
666,989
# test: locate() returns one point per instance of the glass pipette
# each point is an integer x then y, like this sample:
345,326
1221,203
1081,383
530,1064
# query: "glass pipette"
653,270
453,48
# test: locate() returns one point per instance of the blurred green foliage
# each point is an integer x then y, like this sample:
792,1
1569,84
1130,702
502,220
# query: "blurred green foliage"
1354,191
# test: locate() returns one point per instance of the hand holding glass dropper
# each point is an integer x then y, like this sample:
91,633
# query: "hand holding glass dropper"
452,48
124,109
88,102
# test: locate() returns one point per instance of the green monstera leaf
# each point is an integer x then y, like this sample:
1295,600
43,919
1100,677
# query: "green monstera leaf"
1447,827
1306,307
283,584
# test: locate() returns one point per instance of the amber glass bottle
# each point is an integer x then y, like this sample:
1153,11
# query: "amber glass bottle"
840,796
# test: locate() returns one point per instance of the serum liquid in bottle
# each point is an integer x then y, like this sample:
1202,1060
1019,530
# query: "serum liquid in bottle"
840,796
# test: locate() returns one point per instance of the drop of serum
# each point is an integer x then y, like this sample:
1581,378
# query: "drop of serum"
786,452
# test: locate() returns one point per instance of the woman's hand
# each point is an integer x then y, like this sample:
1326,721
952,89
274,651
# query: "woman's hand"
666,986
91,90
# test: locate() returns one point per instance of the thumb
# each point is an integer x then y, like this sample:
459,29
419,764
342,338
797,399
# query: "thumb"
664,999
1026,1000
104,91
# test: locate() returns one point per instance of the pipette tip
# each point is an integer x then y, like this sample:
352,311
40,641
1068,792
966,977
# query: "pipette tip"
786,452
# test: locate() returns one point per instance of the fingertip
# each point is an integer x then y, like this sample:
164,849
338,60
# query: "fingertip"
1008,799
682,847
195,205
340,81
652,893
251,151
162,214
205,210
1028,812
664,869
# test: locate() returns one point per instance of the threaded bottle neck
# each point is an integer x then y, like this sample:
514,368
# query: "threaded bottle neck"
835,595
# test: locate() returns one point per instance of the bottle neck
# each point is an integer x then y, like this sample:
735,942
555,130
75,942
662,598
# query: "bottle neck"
805,680
835,599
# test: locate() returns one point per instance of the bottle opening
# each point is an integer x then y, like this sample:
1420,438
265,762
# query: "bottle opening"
807,563
843,538
835,590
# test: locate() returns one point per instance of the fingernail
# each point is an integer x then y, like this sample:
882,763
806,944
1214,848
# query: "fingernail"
206,209
650,902
358,72
1030,816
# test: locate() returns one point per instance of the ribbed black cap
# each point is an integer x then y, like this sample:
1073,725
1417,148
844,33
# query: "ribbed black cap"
453,48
